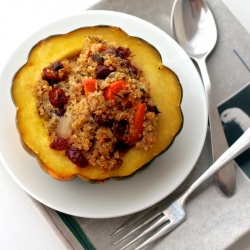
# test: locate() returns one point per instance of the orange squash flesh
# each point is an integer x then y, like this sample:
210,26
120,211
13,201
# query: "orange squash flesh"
166,93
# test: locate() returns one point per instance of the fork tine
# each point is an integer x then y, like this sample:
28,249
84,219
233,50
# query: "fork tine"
139,226
158,234
132,220
175,219
159,218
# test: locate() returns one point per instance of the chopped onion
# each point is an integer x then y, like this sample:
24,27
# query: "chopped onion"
64,128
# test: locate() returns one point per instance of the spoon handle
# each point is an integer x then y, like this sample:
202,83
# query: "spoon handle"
226,176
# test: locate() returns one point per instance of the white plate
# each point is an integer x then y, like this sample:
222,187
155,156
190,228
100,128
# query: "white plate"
114,198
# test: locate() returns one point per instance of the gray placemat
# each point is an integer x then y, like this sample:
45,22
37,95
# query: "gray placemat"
214,221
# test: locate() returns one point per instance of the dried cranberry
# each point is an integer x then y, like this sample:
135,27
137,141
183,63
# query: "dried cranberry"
111,51
120,128
51,82
76,156
60,112
57,66
143,90
131,67
122,147
153,109
123,52
102,121
59,144
97,58
102,71
119,162
50,73
57,97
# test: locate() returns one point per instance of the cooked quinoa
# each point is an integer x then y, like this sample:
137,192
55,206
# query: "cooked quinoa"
97,105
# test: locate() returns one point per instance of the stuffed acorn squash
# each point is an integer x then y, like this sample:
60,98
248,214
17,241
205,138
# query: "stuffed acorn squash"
96,103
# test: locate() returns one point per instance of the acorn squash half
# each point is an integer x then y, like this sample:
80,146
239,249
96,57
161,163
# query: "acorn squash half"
166,93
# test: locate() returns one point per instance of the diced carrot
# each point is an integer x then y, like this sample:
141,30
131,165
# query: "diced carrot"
136,134
103,47
89,86
89,54
114,88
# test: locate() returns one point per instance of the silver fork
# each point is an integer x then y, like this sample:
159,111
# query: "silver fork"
168,219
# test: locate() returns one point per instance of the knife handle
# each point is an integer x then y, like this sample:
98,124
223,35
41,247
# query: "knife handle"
226,177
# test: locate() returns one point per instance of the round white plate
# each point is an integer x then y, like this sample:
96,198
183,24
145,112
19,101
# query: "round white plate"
114,198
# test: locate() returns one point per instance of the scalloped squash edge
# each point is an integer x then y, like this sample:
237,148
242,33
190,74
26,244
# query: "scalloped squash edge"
166,92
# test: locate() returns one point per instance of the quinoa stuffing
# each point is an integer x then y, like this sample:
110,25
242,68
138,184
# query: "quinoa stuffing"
97,105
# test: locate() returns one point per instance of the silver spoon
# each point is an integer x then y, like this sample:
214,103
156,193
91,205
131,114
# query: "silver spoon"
194,28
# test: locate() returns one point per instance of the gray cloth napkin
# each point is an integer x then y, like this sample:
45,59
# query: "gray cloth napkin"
213,221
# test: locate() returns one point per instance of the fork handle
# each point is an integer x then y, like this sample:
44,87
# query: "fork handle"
231,153
225,177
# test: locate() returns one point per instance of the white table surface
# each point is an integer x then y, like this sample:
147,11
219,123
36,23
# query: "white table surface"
22,225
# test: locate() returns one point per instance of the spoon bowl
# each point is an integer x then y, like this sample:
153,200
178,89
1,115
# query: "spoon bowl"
194,28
